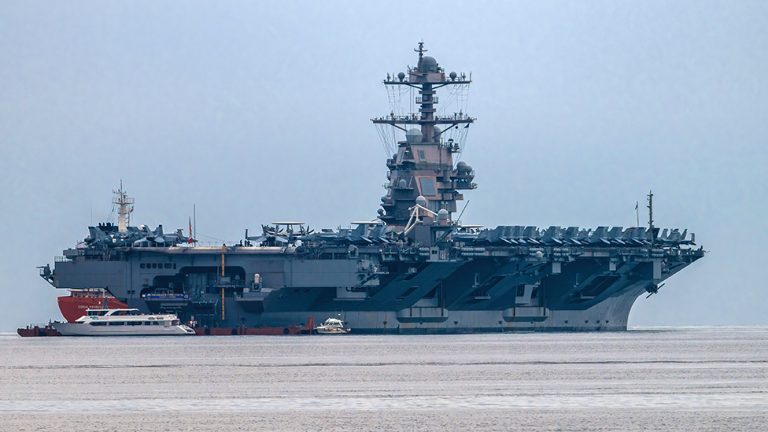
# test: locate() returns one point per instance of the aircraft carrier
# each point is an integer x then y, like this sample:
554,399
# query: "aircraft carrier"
414,269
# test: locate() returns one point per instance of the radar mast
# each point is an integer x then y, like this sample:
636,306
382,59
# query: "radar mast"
124,205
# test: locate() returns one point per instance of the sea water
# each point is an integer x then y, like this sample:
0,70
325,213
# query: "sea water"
672,379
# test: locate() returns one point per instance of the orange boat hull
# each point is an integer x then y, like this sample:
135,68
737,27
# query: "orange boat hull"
73,307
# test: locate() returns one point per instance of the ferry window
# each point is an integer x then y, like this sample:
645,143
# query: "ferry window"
154,265
427,186
155,323
134,323
521,290
174,266
168,265
147,323
535,293
117,323
98,323
141,265
421,155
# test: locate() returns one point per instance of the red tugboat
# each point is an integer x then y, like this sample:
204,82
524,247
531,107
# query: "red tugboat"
36,331
78,301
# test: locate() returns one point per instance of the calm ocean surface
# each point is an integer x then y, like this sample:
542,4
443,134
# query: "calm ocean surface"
646,379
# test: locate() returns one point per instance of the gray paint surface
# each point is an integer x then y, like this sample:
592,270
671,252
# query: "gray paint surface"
256,112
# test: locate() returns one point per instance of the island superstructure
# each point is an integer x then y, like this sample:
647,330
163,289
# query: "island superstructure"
414,269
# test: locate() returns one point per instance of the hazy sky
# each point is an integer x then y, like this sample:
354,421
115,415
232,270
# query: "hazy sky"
258,111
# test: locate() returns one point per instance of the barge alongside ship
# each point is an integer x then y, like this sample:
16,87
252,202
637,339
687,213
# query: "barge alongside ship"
414,269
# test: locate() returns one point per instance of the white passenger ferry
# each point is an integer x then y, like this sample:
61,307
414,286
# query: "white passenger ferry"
123,322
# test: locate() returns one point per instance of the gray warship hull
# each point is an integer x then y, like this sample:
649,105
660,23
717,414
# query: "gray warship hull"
383,289
414,269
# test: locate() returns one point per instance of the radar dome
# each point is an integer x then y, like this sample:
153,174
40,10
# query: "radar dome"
428,64
402,184
437,133
442,215
420,200
413,136
401,76
463,167
453,76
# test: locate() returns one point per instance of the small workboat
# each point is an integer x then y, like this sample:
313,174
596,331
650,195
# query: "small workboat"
123,322
332,326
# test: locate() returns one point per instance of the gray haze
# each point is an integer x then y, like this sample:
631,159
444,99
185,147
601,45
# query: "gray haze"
258,111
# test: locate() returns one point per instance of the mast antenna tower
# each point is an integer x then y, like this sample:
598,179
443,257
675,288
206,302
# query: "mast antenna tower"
124,205
422,169
650,217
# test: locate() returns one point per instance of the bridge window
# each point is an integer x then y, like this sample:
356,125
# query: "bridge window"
427,186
